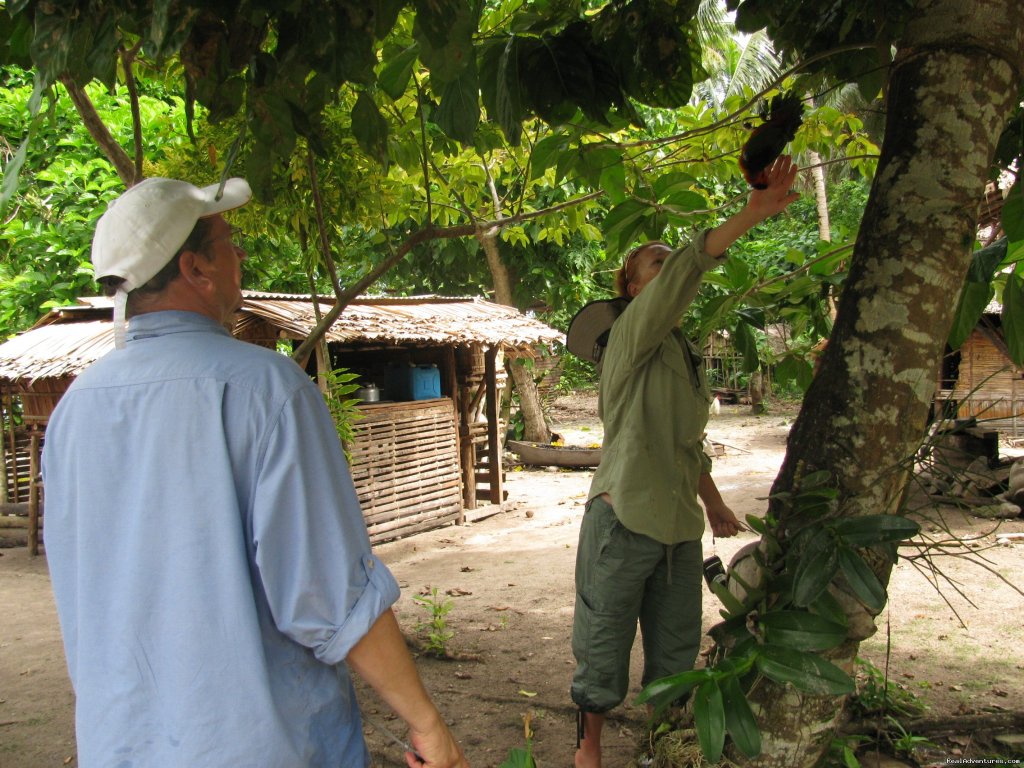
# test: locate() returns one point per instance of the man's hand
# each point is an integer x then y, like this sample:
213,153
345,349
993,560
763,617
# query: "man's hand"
438,747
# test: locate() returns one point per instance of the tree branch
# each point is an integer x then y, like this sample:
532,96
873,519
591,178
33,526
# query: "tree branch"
128,61
100,134
423,235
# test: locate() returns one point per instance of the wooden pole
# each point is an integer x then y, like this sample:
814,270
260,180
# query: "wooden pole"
468,455
33,495
7,417
493,443
451,387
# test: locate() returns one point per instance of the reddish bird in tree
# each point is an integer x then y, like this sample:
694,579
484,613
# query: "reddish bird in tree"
784,117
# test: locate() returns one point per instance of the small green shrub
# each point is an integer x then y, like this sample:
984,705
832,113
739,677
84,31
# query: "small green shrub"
876,695
438,633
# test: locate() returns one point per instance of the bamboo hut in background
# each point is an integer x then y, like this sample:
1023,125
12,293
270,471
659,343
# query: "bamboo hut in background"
419,461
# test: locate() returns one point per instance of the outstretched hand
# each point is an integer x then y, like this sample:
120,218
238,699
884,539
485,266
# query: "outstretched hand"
762,204
774,199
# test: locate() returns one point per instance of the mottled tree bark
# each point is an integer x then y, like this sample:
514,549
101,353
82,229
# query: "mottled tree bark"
952,88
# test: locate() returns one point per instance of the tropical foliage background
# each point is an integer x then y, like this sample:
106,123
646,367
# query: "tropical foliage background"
518,149
392,156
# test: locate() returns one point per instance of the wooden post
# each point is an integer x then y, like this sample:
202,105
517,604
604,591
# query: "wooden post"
12,447
451,386
33,495
493,442
468,457
5,417
323,365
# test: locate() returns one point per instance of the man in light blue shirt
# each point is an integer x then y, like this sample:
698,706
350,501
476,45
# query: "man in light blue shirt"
211,566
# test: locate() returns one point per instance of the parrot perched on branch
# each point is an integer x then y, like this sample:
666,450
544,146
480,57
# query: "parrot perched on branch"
784,117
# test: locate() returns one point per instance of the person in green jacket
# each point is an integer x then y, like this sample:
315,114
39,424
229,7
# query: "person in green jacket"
639,556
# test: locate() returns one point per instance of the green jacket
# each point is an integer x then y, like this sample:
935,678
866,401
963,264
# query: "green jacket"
654,403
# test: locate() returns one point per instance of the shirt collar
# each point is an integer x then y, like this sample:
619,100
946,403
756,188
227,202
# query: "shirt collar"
165,322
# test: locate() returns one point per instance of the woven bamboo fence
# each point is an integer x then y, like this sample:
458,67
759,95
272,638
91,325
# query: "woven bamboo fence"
405,465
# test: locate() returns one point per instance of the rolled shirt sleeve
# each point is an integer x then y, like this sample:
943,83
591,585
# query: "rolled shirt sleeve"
324,586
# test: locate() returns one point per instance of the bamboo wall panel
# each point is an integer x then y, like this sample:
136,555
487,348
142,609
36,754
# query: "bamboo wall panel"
405,467
18,466
989,387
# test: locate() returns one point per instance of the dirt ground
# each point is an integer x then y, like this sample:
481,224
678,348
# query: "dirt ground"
508,580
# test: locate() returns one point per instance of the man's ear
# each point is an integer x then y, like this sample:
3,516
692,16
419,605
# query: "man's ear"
631,290
193,266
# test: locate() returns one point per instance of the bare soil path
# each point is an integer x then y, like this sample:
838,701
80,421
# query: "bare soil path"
509,580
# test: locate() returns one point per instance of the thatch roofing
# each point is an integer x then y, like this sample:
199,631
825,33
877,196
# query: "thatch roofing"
55,350
69,339
426,320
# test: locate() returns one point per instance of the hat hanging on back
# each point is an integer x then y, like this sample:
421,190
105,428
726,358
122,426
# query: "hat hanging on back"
590,327
140,231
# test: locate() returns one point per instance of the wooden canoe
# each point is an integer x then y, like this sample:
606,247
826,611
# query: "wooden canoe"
542,455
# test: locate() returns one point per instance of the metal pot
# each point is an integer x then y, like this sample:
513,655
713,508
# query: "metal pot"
369,394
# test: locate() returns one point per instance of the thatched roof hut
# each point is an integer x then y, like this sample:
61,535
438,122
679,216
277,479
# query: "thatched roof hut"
417,463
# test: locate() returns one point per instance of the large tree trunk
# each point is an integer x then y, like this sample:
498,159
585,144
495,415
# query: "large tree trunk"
952,88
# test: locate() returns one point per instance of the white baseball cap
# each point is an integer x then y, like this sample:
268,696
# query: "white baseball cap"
142,229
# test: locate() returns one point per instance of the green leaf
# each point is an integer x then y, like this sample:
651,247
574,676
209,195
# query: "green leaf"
685,202
973,300
370,128
1013,317
795,369
985,262
801,631
444,30
804,671
828,607
868,530
822,478
613,181
397,71
501,87
459,112
818,564
732,606
709,719
668,689
9,186
739,719
1013,213
518,758
756,524
601,165
670,183
862,579
545,154
746,343
622,224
